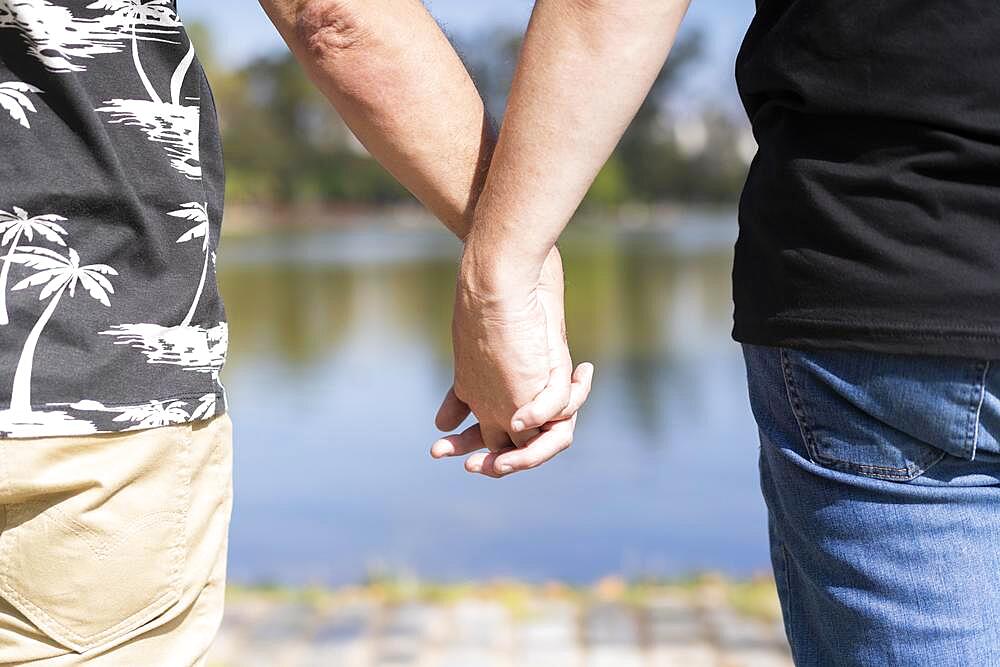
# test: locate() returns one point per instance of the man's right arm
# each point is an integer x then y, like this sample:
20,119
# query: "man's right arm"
401,88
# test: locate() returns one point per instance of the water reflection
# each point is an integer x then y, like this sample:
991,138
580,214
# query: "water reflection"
340,351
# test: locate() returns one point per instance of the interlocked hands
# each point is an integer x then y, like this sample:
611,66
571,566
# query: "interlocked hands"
513,369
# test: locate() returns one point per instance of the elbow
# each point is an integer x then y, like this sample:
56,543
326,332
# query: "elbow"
328,28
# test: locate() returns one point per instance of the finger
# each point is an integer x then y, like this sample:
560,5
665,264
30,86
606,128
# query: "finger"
482,463
542,449
524,437
579,391
452,412
496,438
550,403
466,442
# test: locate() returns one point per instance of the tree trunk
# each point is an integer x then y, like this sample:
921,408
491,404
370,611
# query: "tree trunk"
177,81
138,68
20,401
201,286
4,273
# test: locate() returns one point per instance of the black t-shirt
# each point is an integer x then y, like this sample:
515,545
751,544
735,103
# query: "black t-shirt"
871,216
111,185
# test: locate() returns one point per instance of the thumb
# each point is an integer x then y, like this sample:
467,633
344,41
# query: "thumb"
452,412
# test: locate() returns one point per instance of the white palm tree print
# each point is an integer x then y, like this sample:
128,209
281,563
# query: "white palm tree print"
206,407
17,225
136,13
56,274
14,99
166,122
57,38
155,414
197,213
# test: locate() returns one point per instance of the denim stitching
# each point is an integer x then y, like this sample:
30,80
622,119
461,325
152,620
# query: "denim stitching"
978,409
969,406
798,410
787,581
795,402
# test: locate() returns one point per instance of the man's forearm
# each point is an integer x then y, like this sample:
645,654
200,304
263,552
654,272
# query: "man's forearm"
584,70
398,83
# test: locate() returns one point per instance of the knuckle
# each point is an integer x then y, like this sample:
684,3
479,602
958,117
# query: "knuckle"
530,463
460,392
529,416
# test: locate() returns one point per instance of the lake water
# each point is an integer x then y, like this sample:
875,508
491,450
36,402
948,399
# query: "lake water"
341,353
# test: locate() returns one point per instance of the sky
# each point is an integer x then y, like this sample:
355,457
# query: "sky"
244,32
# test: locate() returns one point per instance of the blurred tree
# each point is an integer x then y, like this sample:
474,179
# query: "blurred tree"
285,144
649,165
611,187
651,159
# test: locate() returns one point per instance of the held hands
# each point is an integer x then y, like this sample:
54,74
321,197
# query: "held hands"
513,369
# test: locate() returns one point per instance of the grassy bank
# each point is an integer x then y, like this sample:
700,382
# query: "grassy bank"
754,598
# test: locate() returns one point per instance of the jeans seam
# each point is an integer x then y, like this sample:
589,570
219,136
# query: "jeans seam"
891,473
977,408
787,585
796,404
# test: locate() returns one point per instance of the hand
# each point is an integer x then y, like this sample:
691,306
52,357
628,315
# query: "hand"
512,367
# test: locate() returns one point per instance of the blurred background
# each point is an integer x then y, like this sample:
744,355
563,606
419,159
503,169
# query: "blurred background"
346,535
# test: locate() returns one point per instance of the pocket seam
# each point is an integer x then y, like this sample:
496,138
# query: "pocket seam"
786,581
976,400
72,639
79,642
56,515
889,473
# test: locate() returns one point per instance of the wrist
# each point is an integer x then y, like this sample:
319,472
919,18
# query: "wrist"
498,268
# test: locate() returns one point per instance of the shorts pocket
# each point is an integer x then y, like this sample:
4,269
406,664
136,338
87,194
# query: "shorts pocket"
884,416
98,550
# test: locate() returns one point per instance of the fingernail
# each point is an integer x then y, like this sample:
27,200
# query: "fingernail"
505,469
518,425
443,448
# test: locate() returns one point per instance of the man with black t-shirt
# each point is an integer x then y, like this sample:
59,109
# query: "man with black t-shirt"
867,290
867,287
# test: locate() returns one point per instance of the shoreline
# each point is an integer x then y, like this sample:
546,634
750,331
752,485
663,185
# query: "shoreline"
753,597
244,220
706,621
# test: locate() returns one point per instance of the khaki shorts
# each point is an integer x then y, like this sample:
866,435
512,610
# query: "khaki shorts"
113,547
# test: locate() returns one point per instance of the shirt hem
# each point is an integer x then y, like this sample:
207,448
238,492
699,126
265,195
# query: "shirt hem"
85,418
972,342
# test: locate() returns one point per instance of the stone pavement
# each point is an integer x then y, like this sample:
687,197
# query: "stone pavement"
667,628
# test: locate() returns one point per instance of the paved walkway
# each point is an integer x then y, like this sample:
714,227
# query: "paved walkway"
538,630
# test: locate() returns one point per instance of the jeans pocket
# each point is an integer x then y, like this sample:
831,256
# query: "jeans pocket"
884,416
94,556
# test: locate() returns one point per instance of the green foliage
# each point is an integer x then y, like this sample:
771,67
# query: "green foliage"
285,144
611,187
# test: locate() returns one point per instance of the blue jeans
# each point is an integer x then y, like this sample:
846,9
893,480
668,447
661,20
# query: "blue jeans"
882,480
